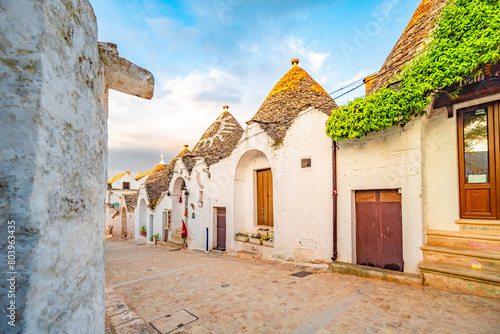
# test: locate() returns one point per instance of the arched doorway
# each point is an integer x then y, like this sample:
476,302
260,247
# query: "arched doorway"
124,223
253,192
179,204
142,215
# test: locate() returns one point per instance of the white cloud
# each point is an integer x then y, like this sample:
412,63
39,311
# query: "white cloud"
314,59
359,76
182,109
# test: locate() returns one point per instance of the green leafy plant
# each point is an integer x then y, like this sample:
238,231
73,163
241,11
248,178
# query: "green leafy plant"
156,237
143,229
239,234
467,35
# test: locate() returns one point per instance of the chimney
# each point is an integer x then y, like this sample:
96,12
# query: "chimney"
368,82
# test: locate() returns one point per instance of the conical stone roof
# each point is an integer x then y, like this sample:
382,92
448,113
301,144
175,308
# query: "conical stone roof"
411,42
160,178
220,139
295,92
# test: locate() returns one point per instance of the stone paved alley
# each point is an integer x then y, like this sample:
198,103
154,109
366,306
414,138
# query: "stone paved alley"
231,295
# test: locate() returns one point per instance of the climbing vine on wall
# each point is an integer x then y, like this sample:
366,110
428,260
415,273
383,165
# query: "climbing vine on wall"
467,34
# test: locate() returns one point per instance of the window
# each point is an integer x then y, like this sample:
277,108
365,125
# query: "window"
305,163
478,129
126,185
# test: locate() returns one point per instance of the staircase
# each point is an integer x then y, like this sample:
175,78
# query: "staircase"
175,240
459,261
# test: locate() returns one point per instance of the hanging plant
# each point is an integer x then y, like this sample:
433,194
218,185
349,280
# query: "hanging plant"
467,35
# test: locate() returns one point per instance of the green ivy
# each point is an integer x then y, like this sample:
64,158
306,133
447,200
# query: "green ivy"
467,35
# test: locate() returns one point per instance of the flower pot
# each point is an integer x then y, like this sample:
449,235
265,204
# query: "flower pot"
243,239
268,243
143,234
255,241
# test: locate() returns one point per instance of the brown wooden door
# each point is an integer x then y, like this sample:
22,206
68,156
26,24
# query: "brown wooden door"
479,161
265,198
379,233
221,228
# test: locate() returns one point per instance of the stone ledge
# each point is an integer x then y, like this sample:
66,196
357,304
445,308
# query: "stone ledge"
475,253
243,254
479,275
377,273
461,235
120,319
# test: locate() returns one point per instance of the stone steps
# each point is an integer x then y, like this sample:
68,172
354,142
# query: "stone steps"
456,278
248,255
459,261
462,257
176,238
463,240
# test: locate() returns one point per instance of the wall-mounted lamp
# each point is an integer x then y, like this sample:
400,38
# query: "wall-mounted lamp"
168,192
186,193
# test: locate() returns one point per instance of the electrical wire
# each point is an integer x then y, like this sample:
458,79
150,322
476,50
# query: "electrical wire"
348,91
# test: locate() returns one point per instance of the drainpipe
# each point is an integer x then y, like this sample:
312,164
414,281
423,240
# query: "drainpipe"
334,197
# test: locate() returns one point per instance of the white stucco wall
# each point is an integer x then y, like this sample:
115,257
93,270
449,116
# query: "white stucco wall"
53,162
390,159
165,203
440,172
118,184
142,215
301,197
196,181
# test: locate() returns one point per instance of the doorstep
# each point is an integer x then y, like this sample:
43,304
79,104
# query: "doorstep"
377,273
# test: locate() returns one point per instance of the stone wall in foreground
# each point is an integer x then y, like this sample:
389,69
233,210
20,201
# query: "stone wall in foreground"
53,160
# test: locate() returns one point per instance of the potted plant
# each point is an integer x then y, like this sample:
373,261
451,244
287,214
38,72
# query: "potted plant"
156,237
143,231
268,241
241,237
255,239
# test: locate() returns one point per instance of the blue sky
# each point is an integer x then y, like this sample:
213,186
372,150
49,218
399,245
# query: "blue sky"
205,54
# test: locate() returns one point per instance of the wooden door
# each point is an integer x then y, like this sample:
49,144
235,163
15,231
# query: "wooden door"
379,233
221,228
479,161
265,197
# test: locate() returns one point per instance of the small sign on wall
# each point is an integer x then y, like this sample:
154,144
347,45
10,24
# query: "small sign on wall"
307,243
200,204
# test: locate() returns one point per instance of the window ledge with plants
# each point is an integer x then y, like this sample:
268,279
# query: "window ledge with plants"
256,238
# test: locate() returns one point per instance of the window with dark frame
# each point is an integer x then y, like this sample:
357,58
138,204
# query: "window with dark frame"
126,185
305,163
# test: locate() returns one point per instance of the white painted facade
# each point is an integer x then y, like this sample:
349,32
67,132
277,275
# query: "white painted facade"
421,161
143,215
134,184
197,181
302,197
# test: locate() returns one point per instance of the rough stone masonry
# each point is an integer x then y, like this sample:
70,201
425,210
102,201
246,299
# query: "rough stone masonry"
53,158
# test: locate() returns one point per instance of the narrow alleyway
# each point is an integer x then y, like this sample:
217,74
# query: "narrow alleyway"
217,293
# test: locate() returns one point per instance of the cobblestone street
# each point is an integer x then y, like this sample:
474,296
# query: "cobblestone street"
229,295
